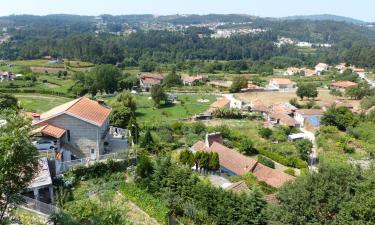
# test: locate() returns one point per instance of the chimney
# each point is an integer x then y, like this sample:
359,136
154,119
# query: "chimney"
213,137
101,101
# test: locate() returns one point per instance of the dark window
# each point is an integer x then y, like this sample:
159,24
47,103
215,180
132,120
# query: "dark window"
68,134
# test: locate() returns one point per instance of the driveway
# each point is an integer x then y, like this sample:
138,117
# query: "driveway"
314,153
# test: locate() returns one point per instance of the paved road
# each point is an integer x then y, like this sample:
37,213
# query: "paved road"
314,153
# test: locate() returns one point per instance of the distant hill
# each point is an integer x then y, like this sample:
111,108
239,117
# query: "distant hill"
325,17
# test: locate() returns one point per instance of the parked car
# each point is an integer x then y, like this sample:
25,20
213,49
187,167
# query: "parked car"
45,144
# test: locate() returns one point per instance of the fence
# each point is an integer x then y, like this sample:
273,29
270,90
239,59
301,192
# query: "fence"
39,207
65,166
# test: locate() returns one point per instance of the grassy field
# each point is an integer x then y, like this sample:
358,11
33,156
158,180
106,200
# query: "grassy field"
39,103
188,106
269,98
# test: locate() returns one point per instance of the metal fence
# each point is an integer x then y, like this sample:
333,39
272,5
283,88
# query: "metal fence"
39,207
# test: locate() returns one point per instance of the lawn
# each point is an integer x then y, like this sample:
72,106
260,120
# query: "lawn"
187,107
39,103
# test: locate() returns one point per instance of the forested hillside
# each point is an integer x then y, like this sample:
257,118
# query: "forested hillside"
170,39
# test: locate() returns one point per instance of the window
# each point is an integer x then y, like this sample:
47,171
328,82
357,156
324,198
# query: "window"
68,134
92,151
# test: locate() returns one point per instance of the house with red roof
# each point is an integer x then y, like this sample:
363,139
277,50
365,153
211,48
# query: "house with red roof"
342,85
81,126
234,163
147,80
281,84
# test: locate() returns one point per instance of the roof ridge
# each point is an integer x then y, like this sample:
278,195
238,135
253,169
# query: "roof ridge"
76,101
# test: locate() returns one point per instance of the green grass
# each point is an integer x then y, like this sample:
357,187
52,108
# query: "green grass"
188,107
152,206
36,62
39,103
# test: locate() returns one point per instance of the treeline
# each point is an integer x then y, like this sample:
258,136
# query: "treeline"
76,39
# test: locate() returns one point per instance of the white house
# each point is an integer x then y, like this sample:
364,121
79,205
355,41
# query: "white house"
281,84
321,67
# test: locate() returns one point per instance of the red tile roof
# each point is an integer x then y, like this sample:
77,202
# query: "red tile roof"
282,81
241,164
220,103
82,108
50,130
156,76
310,112
270,176
284,119
344,84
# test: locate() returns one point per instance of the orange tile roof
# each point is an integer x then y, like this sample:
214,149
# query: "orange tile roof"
241,164
310,112
270,176
156,76
344,84
82,108
284,119
282,81
220,103
233,160
49,130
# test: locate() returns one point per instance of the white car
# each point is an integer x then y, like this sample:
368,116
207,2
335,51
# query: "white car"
45,144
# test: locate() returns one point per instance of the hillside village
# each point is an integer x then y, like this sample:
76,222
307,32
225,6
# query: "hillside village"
186,119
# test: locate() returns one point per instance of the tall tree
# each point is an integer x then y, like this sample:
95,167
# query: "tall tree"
157,94
238,83
106,78
18,161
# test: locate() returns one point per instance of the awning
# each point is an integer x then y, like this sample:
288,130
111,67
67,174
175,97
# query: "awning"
50,130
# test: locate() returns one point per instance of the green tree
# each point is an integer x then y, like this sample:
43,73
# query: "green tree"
214,163
8,101
247,146
105,78
308,90
18,161
238,83
121,116
335,92
147,141
340,117
361,209
125,99
133,127
316,198
144,167
172,79
157,94
358,92
304,148
265,132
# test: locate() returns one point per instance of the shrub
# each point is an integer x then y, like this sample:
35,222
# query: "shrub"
290,171
265,161
153,206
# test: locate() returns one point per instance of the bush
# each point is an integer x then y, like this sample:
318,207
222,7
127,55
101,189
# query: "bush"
290,171
265,161
99,169
154,207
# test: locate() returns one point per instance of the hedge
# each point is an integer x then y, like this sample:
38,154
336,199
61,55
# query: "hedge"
46,92
286,161
154,207
99,169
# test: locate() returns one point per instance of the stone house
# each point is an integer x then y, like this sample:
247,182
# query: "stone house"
80,127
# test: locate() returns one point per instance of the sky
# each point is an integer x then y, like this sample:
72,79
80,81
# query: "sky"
358,9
